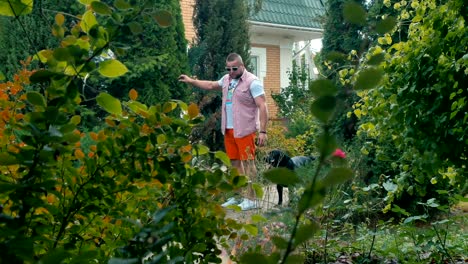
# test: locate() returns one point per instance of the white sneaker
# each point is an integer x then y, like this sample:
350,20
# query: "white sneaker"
231,201
248,205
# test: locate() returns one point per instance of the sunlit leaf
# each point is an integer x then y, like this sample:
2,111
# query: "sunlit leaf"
239,181
200,150
223,157
112,68
169,106
109,103
252,229
282,176
2,76
323,108
337,176
88,21
16,7
161,139
385,25
86,2
354,13
76,119
101,8
163,18
368,78
256,218
323,87
36,98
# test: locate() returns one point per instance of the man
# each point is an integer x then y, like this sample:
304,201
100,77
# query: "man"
244,111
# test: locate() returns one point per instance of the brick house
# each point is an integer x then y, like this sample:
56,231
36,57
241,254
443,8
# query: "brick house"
273,32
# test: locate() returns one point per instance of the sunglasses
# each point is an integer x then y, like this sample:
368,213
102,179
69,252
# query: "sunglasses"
231,68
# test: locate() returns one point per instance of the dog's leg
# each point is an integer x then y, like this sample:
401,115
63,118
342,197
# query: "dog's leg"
279,188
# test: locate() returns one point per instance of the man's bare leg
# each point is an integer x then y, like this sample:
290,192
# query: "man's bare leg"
251,172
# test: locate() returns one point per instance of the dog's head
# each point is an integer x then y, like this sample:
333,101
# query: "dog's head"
278,158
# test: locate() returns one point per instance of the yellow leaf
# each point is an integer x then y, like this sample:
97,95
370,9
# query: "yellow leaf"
193,110
59,19
133,94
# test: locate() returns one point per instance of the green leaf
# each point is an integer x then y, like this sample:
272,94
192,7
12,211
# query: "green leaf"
7,159
135,27
163,18
101,8
199,149
122,4
36,99
354,13
41,76
323,87
376,59
258,218
88,21
239,181
385,25
294,259
326,144
124,261
86,2
258,190
336,176
161,139
323,108
310,198
252,229
253,258
16,7
280,242
282,176
2,76
305,232
368,78
223,157
109,103
112,68
169,106
61,54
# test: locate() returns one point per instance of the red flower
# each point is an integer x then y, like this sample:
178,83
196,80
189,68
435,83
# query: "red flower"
339,154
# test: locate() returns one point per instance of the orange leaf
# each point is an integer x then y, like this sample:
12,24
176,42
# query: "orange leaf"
94,136
79,153
133,94
193,110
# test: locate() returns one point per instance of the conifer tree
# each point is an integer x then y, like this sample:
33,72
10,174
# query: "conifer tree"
222,28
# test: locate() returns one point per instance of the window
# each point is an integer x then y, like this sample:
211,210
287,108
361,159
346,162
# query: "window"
254,64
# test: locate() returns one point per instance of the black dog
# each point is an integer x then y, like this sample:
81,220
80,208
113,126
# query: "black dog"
279,159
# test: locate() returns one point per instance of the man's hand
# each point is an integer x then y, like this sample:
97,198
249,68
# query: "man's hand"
262,139
184,78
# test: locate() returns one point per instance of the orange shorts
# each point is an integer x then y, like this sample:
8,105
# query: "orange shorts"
239,148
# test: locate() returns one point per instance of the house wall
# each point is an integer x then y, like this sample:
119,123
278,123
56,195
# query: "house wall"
187,15
272,79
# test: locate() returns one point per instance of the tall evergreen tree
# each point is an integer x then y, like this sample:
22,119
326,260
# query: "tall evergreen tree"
157,59
222,28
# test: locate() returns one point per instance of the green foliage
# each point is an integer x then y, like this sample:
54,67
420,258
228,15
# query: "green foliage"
120,193
419,110
222,28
